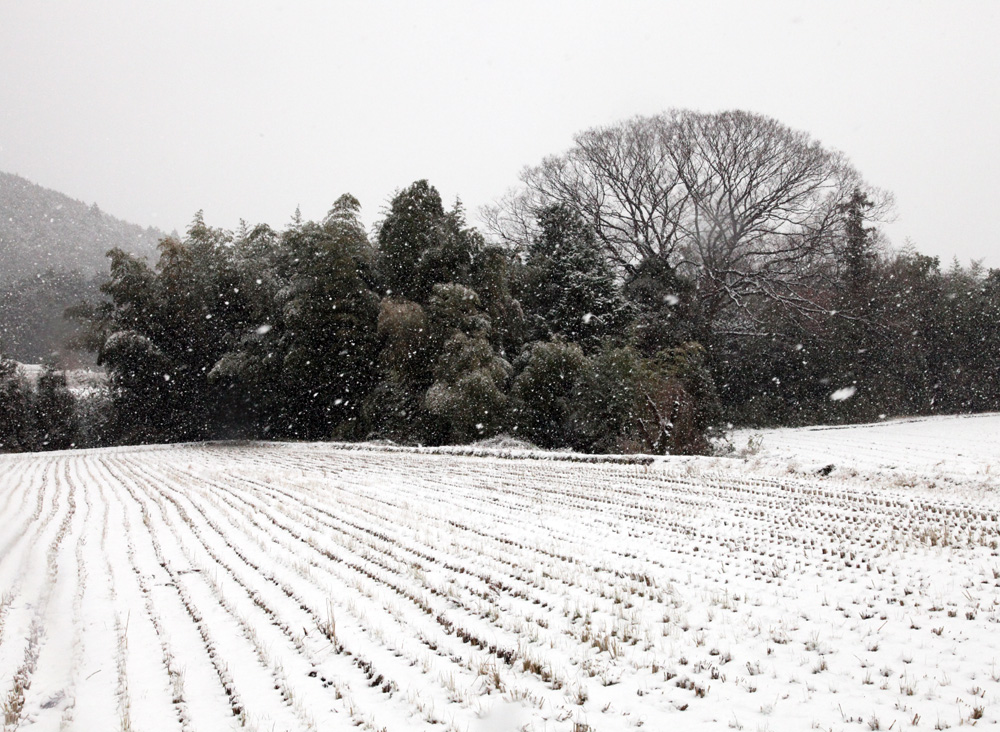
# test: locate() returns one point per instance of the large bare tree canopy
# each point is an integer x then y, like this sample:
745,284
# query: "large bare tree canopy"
622,179
750,209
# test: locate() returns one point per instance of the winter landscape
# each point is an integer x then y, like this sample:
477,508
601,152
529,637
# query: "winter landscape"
822,579
536,366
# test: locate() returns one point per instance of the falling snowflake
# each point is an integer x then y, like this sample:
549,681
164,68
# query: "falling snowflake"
843,394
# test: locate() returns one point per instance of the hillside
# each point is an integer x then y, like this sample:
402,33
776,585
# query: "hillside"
52,254
41,229
317,586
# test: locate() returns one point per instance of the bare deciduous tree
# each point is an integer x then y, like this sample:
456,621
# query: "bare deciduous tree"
622,179
752,210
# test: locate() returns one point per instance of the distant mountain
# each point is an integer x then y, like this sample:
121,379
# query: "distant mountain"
53,255
42,230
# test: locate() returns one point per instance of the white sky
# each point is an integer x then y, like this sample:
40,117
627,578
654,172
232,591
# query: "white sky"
244,109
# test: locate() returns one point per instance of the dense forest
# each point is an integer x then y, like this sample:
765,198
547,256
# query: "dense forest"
663,279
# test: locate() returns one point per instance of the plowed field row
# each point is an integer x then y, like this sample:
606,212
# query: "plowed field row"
310,587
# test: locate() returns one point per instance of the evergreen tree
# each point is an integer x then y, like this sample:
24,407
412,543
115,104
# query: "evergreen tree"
608,400
569,288
664,305
857,255
250,367
330,319
395,407
493,273
55,412
164,331
663,405
15,408
198,290
695,411
469,390
544,391
137,369
419,245
468,393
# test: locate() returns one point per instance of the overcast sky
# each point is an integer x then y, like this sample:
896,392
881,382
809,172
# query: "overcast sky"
245,109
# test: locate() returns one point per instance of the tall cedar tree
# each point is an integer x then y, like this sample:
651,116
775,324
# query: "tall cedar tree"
569,289
330,319
419,245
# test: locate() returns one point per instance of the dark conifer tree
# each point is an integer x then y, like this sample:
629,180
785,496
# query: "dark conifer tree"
468,395
664,307
15,408
419,245
330,319
544,391
55,418
569,289
857,255
492,277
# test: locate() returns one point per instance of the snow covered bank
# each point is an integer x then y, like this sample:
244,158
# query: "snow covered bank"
932,452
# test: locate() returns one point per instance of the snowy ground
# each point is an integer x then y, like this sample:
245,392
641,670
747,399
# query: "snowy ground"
953,452
79,381
297,587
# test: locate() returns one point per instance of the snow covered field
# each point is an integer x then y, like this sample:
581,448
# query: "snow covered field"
297,587
960,451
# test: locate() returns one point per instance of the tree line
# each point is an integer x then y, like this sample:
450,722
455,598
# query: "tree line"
37,417
664,278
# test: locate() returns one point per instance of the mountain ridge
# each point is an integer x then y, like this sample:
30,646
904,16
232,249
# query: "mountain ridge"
42,229
53,255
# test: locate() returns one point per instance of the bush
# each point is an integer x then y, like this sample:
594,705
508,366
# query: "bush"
468,393
544,391
662,405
